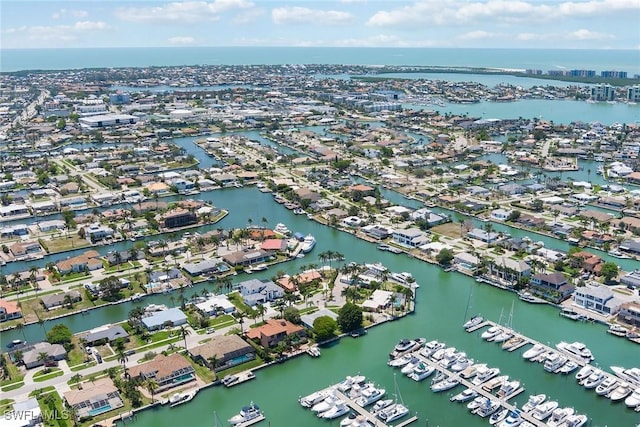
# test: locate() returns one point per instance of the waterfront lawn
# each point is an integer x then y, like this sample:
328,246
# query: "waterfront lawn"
91,421
450,229
204,373
62,244
53,410
14,374
236,299
47,374
241,368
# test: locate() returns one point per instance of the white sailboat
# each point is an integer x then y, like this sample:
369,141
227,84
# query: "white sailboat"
397,409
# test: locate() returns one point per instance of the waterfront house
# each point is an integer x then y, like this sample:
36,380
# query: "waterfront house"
88,261
96,231
288,283
57,300
179,218
278,245
14,230
588,261
31,355
223,352
9,310
216,304
411,237
94,398
500,214
24,249
554,286
509,269
631,279
167,371
247,257
255,291
54,224
206,266
483,236
466,261
105,334
598,298
377,301
13,210
274,331
630,313
165,318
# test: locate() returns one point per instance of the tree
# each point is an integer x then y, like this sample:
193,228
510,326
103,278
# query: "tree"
324,327
151,385
183,333
609,271
42,357
261,310
292,314
350,317
59,334
444,257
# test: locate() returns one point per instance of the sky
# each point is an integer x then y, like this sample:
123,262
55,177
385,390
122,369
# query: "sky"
575,24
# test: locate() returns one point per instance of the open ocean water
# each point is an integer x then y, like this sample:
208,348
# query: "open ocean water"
543,59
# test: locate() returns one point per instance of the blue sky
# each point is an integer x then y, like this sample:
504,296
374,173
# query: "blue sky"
593,24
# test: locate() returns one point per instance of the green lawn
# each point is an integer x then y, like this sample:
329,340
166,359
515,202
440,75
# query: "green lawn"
14,374
82,366
12,386
44,376
203,372
51,403
42,390
240,368
65,244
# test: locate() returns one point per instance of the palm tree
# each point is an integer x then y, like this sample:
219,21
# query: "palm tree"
76,379
261,309
183,333
213,361
151,385
20,327
42,357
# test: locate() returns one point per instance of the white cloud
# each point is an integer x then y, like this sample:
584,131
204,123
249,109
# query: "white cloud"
458,12
181,40
248,16
182,12
62,13
303,15
479,35
58,32
588,35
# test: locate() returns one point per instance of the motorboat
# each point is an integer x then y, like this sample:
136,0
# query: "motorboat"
473,322
558,416
247,413
403,346
180,398
393,412
487,408
445,384
576,349
357,389
508,388
503,336
461,364
440,354
631,375
431,347
347,383
486,376
360,421
473,370
450,358
313,398
475,403
465,395
313,351
380,405
401,361
594,380
572,314
568,367
348,421
575,420
623,390
534,351
512,420
409,367
326,404
512,342
584,372
544,410
496,382
498,416
339,409
617,330
369,396
534,400
607,386
308,244
421,372
555,362
280,228
490,333
633,400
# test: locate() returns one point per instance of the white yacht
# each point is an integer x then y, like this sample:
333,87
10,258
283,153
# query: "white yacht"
512,342
326,404
308,244
313,398
554,362
450,358
487,408
508,388
486,376
491,333
445,384
369,396
431,347
474,321
607,386
409,367
514,419
393,412
503,336
421,372
401,361
631,374
558,416
474,370
584,372
461,364
338,410
349,381
544,410
623,390
475,403
498,416
280,228
405,345
247,413
440,354
575,420
534,400
576,349
465,395
534,351
594,380
568,367
634,399
380,405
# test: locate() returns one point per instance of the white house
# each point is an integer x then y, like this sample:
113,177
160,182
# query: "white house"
412,237
597,298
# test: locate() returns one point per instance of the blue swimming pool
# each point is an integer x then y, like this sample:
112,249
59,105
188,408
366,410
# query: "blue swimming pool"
100,410
241,359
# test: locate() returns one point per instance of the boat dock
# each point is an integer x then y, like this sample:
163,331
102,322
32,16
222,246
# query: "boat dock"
480,389
241,377
368,415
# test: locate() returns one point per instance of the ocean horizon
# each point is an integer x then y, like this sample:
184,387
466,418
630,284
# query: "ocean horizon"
12,60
